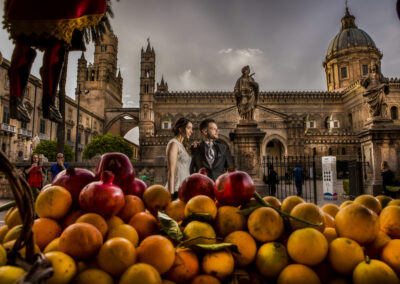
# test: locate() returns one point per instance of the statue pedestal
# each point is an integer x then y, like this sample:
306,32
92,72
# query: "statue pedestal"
379,142
247,142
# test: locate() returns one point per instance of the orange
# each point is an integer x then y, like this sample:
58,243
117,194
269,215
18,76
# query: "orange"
156,197
395,202
290,202
273,201
145,224
197,229
133,205
358,223
271,259
218,263
116,255
96,220
330,234
344,255
309,212
391,255
346,203
124,231
205,279
186,266
390,221
140,273
384,200
324,271
246,245
54,245
265,224
374,249
370,202
229,220
201,204
157,251
329,220
54,202
176,210
71,218
307,246
331,209
81,240
13,218
93,276
114,221
3,232
44,231
298,274
374,271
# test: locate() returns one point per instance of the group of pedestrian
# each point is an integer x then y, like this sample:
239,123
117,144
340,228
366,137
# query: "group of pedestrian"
35,174
272,179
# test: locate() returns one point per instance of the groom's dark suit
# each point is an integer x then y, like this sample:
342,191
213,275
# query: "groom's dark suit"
222,161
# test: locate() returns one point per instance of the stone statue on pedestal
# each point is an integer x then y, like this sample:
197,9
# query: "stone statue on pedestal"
376,88
246,94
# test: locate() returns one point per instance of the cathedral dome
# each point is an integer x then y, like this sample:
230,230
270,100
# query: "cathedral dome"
349,36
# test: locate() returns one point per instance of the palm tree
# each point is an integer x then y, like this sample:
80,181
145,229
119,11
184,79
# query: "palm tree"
94,34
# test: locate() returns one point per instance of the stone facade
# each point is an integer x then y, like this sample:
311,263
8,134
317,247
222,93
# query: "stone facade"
295,123
100,86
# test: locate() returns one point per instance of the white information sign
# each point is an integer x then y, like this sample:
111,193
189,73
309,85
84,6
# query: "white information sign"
329,177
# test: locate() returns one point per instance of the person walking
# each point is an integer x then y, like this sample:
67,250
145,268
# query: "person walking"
298,179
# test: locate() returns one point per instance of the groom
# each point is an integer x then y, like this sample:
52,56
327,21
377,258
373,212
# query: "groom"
212,156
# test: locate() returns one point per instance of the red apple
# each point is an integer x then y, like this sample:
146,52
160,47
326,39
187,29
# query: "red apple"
137,188
234,188
102,197
120,165
74,180
196,184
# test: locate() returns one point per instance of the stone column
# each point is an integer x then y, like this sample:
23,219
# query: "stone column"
379,142
247,143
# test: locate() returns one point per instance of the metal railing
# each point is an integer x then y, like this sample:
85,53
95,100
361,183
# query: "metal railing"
7,127
24,132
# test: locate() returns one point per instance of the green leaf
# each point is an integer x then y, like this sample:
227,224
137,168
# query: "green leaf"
248,210
170,226
202,217
215,247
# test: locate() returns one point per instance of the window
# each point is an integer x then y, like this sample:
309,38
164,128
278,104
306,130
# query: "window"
312,124
87,122
330,151
95,125
365,69
6,115
68,134
314,150
23,124
394,113
78,138
336,124
86,138
350,120
92,75
343,151
103,48
329,78
42,126
7,83
69,113
343,72
26,93
80,119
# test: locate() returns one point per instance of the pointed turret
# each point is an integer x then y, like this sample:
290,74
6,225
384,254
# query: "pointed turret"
163,86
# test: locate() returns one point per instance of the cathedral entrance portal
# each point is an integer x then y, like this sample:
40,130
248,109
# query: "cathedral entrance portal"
275,149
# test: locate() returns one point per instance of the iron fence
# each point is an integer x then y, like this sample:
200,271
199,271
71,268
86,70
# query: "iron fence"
291,175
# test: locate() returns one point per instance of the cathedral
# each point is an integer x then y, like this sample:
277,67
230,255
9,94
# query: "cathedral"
335,122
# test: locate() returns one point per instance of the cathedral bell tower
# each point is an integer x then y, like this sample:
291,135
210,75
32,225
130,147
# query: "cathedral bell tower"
147,84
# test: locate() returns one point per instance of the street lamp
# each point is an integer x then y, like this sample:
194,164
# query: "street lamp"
78,94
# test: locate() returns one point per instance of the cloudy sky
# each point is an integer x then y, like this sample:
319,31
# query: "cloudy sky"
202,44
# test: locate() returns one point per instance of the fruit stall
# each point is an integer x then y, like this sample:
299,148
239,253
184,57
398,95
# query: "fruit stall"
108,227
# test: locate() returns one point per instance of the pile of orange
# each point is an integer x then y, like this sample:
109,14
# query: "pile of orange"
356,242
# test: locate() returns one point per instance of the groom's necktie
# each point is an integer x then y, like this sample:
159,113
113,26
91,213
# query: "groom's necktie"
210,155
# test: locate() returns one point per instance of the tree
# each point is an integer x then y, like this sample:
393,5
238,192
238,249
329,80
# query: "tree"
107,143
49,150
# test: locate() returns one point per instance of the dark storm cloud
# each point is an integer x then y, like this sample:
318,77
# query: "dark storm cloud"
202,44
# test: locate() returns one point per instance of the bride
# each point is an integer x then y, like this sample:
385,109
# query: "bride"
178,159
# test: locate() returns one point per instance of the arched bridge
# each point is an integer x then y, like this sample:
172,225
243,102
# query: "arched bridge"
120,120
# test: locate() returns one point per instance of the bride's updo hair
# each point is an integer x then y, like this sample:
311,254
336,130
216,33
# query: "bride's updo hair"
180,124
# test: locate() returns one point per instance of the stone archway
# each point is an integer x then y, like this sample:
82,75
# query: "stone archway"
274,146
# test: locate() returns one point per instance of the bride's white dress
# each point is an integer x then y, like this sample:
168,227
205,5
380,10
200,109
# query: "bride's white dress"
182,170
